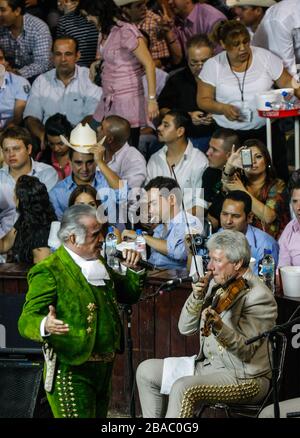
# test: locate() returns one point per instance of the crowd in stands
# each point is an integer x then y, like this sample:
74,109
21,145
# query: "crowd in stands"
115,102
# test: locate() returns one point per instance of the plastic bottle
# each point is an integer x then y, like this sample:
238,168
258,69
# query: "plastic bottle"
140,244
110,248
267,272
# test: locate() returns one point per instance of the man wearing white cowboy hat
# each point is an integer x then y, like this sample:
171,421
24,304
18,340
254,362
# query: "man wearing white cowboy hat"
250,12
88,167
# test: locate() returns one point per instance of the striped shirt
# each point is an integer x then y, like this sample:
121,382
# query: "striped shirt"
30,51
86,33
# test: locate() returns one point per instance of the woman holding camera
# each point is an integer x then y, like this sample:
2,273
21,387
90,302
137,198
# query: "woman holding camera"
230,81
270,198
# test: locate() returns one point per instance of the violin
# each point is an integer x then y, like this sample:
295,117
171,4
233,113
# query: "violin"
222,299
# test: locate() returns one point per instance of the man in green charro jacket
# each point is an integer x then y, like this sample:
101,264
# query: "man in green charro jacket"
71,306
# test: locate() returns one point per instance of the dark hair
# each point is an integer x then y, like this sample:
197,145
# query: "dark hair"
84,188
229,136
36,212
227,31
239,196
66,37
106,11
58,124
270,171
71,153
199,40
294,181
14,4
17,133
119,128
182,119
165,186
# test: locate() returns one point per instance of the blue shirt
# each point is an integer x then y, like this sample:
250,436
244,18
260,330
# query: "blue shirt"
259,241
13,88
60,195
174,233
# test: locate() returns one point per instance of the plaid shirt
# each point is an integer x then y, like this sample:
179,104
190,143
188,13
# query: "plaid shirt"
30,51
158,46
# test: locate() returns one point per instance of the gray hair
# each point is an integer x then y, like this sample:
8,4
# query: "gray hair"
234,244
72,223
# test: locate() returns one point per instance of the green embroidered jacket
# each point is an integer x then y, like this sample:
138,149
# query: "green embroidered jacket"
91,311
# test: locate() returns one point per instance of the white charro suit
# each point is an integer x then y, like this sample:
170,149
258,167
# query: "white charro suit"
224,360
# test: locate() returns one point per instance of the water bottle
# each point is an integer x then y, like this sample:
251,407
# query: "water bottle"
140,244
267,272
110,248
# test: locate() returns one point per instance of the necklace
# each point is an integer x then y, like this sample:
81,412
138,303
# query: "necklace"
241,87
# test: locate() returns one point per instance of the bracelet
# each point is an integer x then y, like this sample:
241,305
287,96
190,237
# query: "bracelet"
152,97
172,42
227,174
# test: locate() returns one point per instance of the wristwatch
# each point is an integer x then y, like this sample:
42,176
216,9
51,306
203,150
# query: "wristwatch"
151,97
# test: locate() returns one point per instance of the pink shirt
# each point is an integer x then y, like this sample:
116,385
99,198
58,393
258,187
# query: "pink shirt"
122,74
201,20
63,172
289,245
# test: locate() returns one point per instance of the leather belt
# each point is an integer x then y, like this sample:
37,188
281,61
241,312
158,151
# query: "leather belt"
104,357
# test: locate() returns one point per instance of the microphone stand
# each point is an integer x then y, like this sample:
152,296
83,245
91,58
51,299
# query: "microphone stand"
273,336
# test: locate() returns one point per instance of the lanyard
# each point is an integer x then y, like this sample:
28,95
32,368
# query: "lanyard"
241,87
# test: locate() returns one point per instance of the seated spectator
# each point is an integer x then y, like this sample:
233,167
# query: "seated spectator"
289,242
270,205
84,194
126,161
178,154
16,146
180,91
25,39
220,146
56,152
87,168
14,90
28,239
167,244
191,18
66,89
236,215
75,25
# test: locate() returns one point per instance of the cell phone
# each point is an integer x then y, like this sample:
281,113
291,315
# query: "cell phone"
246,158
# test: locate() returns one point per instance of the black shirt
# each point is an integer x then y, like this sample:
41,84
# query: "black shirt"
212,185
180,92
24,245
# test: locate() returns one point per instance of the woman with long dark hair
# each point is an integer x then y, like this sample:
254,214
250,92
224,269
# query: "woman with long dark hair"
270,198
125,56
29,236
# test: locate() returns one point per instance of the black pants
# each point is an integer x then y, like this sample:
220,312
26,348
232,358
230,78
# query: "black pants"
279,153
134,137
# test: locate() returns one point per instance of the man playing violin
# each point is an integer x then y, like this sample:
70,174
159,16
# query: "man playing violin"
229,305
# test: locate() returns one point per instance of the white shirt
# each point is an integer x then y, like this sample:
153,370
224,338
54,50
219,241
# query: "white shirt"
45,173
265,68
49,96
188,171
279,32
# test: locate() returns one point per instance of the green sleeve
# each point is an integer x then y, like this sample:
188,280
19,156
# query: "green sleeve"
129,287
41,293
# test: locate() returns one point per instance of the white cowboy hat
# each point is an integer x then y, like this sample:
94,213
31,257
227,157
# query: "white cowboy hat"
82,138
261,3
124,2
